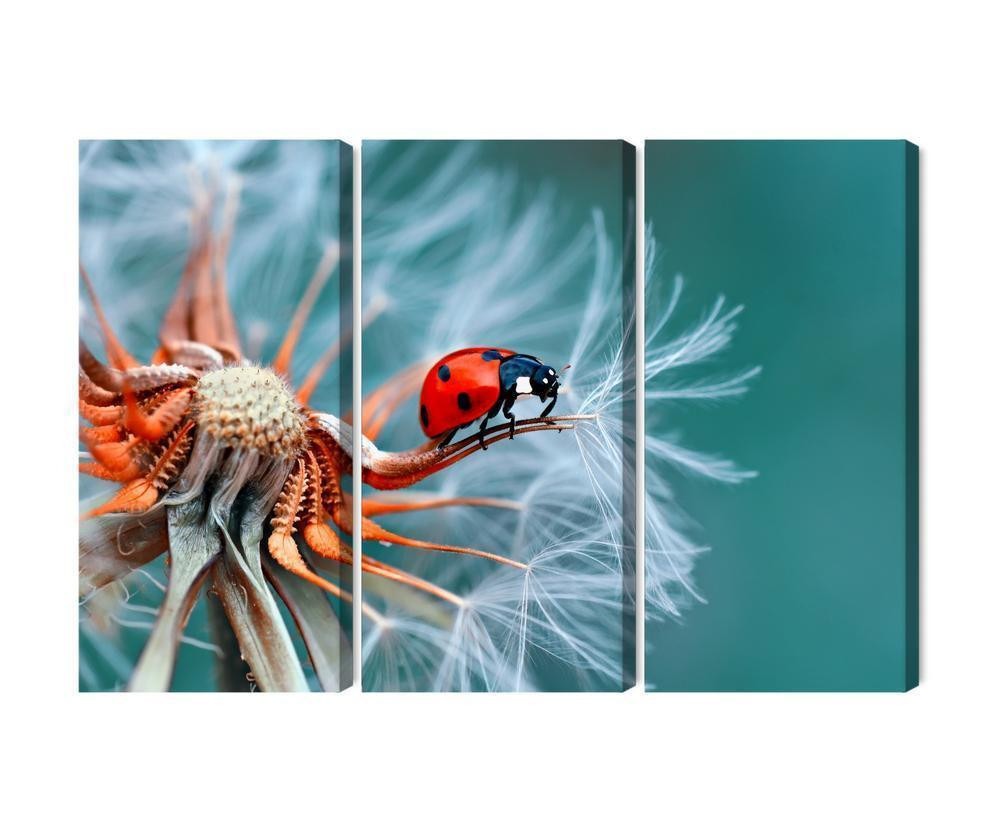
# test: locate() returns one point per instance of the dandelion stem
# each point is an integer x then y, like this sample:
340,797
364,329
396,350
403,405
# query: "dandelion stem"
193,548
369,565
376,507
393,470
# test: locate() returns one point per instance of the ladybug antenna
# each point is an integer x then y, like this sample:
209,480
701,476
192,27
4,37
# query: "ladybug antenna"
564,368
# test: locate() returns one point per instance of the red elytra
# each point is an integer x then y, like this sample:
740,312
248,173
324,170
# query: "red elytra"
459,388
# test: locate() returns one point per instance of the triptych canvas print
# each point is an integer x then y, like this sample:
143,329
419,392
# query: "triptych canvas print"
545,441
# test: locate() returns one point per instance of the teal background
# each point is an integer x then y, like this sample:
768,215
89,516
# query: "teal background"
806,580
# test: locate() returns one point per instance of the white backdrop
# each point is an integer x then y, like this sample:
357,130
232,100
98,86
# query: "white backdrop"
518,70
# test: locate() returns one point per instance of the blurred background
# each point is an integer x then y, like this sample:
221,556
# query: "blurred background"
804,583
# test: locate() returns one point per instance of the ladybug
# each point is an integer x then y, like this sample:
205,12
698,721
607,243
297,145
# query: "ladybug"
481,382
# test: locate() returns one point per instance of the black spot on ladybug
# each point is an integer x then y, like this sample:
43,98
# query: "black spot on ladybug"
444,372
491,354
464,402
424,418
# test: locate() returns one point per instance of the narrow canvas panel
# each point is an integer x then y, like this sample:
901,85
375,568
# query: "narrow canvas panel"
499,415
781,415
215,368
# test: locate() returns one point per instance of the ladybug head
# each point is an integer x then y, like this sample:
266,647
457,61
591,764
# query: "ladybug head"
544,381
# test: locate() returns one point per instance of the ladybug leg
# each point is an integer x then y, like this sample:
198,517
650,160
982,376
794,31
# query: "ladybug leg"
448,437
506,398
508,404
548,409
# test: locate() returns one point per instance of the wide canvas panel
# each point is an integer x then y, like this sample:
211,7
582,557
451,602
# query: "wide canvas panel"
498,415
499,556
784,505
215,489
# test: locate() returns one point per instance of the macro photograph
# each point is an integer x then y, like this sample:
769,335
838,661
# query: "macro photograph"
494,458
